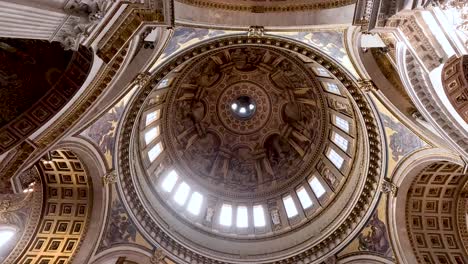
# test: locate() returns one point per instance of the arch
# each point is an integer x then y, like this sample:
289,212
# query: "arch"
66,208
30,96
403,176
131,253
96,167
364,259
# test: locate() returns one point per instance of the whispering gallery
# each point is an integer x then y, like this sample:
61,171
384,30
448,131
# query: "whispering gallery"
233,131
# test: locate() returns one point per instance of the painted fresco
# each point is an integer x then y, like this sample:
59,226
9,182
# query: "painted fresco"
187,36
330,42
401,141
120,229
102,132
373,238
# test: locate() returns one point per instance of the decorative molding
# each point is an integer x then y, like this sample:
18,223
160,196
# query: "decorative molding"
83,16
256,31
389,187
128,23
455,83
423,95
158,256
367,86
110,178
35,202
257,7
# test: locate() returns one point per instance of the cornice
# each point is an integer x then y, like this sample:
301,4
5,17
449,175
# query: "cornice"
120,33
265,8
357,215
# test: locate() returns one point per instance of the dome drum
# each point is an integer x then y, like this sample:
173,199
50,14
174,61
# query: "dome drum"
214,176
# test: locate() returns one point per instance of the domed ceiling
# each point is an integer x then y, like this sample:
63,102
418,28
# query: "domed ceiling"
272,140
252,149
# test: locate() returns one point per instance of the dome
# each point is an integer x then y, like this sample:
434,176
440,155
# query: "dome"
250,148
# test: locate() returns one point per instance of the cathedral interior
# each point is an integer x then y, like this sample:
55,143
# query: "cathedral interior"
233,131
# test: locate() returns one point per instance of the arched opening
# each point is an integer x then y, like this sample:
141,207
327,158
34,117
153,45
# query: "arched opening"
37,78
425,214
59,205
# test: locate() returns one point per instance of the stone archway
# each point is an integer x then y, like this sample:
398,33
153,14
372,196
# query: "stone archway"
423,214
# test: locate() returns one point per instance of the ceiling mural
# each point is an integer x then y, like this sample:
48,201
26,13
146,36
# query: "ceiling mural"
373,239
244,154
119,228
331,42
102,132
184,37
400,139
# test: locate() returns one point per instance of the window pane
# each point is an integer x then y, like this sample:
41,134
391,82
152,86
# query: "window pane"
155,151
304,198
342,124
5,236
335,158
150,117
242,217
291,210
340,141
317,187
151,134
332,87
195,203
170,181
163,84
321,72
225,217
181,194
259,216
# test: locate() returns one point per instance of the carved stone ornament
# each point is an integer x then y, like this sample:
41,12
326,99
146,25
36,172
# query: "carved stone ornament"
389,187
158,256
110,178
83,15
275,218
256,31
209,214
330,260
367,85
142,79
